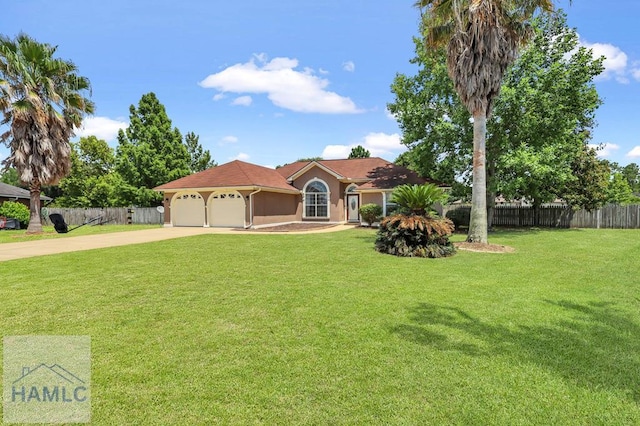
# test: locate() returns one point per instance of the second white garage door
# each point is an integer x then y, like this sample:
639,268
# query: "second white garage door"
227,209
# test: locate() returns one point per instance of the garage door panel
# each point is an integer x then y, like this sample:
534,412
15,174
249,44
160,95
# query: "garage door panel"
227,209
188,210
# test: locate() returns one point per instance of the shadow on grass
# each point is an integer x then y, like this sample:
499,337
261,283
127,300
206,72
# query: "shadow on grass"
594,345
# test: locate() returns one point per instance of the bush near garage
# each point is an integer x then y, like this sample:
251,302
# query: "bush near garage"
15,210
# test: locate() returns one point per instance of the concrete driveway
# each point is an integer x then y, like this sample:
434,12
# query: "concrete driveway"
21,250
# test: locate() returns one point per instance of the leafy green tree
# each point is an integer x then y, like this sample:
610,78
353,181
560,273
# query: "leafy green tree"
42,100
544,114
93,182
619,191
588,189
482,39
10,176
200,159
631,173
434,123
150,152
540,123
359,152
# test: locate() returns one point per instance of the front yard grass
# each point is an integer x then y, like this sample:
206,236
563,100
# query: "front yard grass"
16,236
321,329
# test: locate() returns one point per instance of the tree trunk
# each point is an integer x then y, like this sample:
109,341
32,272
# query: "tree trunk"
478,221
35,225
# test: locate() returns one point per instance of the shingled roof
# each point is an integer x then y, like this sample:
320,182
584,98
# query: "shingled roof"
10,191
235,173
354,168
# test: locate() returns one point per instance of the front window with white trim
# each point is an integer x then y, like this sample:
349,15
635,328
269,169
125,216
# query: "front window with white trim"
316,199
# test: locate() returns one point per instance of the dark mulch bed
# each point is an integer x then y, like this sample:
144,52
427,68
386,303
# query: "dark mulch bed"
293,227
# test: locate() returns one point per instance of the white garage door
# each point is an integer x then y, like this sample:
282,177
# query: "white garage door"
227,209
187,209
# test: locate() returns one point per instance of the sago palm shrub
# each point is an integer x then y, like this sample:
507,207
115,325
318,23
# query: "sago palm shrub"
417,231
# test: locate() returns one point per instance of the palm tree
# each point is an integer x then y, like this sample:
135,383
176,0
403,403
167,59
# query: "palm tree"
418,199
417,231
41,99
482,38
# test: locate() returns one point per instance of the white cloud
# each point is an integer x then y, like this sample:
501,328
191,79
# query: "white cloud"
218,96
241,156
349,66
331,152
286,87
635,70
378,144
390,115
615,62
323,71
242,101
101,127
605,149
635,152
269,166
228,139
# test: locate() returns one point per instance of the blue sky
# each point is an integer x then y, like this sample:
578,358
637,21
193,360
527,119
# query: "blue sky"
270,82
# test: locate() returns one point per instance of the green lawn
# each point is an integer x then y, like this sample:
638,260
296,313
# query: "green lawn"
21,235
321,329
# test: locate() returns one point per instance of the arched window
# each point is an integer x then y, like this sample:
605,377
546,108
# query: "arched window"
316,199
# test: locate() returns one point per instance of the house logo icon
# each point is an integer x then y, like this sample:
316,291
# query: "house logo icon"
48,384
46,379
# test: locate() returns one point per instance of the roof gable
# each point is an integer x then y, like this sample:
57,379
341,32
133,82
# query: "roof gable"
352,168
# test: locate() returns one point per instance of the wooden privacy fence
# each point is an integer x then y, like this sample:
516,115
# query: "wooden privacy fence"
111,215
610,216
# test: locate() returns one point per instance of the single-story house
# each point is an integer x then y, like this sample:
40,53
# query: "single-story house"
13,193
241,194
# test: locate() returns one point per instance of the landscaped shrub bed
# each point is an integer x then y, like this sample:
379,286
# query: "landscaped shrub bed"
415,236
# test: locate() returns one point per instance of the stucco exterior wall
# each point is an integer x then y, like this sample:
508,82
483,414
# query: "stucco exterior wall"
336,193
371,198
274,207
166,202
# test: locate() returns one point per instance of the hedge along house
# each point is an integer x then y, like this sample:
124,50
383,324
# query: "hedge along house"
240,194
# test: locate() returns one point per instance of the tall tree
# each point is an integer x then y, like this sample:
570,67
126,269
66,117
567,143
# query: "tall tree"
540,124
10,176
150,152
631,173
482,38
200,159
434,123
93,182
42,99
359,152
619,191
544,115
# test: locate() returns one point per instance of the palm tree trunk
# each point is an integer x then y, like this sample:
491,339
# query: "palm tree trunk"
478,221
35,225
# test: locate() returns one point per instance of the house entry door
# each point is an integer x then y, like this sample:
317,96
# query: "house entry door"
352,207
